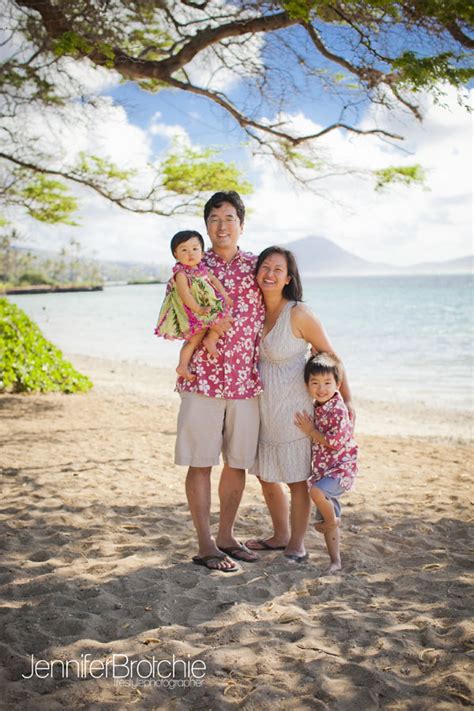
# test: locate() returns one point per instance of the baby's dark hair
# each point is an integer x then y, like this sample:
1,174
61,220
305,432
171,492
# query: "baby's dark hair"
323,363
183,236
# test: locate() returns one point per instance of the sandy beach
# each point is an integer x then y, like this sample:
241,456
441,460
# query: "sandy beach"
97,545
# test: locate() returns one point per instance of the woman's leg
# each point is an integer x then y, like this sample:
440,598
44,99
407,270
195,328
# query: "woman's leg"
300,512
186,353
277,504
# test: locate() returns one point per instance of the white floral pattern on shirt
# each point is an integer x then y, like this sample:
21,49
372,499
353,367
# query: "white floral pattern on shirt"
333,421
233,374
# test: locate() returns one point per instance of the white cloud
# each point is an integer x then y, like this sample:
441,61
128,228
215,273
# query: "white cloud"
400,225
172,132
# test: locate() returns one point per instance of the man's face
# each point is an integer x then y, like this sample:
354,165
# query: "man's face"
223,227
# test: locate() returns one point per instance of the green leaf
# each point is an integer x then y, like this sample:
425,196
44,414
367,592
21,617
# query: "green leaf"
48,200
189,171
406,175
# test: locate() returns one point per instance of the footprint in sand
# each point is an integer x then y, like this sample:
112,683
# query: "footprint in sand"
39,556
65,627
186,580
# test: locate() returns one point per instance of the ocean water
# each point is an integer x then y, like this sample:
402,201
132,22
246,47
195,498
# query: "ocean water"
402,338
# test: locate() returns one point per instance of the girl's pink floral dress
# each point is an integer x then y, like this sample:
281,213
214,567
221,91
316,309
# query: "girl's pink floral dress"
176,320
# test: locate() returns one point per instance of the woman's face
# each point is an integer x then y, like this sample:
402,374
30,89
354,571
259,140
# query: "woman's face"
272,275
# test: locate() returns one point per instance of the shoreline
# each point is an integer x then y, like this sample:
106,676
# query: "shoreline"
374,417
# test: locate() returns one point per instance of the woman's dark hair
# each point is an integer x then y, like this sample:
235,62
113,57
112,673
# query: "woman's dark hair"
183,236
231,197
322,364
292,291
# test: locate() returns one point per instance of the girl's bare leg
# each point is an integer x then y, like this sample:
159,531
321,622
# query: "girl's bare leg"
186,353
330,527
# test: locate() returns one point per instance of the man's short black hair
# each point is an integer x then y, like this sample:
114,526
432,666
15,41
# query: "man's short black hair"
231,197
183,236
322,364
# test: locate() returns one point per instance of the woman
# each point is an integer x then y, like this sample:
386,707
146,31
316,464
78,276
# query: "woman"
284,452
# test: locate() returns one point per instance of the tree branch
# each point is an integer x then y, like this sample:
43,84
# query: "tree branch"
456,32
246,122
120,201
371,77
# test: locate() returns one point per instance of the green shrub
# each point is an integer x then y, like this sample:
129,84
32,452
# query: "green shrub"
28,362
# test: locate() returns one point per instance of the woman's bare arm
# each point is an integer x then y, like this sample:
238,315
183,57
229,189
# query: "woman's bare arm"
305,325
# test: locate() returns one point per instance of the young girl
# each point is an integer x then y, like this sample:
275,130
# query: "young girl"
334,452
194,300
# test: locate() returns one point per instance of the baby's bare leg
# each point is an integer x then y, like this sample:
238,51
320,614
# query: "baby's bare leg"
210,341
186,353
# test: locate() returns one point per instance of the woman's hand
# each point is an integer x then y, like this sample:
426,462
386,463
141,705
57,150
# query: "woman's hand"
351,411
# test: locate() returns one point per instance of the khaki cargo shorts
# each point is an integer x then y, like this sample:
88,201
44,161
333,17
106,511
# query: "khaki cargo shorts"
209,426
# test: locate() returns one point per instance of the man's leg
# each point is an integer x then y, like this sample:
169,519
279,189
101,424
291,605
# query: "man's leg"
198,492
239,451
231,489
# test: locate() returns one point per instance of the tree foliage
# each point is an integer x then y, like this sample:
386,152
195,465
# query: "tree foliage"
380,51
28,362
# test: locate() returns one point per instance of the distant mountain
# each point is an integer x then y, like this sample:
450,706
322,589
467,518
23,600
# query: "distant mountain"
321,256
315,256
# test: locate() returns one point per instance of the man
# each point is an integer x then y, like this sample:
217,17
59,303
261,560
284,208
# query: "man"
219,408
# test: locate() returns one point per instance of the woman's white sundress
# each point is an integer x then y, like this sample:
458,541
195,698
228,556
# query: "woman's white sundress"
284,452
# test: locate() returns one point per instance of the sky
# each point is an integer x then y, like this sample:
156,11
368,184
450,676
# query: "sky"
399,226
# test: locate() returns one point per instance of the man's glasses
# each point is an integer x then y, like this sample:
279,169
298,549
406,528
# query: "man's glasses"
216,221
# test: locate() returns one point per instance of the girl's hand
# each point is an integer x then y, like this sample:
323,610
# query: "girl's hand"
204,310
305,423
222,325
228,301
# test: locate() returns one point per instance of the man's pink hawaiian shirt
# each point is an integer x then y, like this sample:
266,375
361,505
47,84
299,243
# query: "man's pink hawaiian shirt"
233,375
332,420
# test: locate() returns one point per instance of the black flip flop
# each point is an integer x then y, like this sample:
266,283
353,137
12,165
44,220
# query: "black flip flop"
206,559
265,546
235,552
